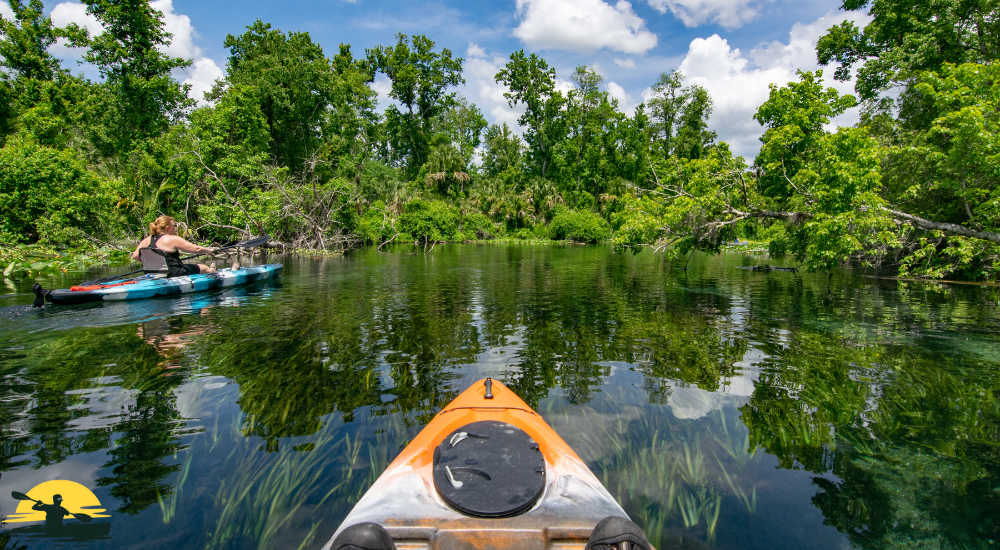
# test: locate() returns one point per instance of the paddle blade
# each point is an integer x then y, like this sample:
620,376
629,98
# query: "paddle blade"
83,517
21,496
256,241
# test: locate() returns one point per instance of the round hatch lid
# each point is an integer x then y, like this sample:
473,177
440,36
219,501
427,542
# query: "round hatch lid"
489,469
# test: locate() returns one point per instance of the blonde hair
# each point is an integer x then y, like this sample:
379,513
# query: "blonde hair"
159,227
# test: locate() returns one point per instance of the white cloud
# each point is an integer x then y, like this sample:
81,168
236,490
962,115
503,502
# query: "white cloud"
583,26
730,14
482,88
202,75
738,83
6,12
626,103
475,51
72,12
382,86
204,71
627,63
178,25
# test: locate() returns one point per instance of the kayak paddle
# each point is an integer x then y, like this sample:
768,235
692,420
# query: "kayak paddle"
21,496
254,242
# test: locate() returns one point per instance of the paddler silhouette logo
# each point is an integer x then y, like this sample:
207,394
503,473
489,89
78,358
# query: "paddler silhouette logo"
62,509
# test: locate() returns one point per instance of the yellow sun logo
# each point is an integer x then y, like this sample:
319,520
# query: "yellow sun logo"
76,499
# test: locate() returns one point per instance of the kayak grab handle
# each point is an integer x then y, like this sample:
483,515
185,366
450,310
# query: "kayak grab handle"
451,478
489,389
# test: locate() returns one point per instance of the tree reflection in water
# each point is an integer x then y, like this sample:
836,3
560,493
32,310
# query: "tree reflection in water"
682,390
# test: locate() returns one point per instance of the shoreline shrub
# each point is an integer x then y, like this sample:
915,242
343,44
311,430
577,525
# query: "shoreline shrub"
579,226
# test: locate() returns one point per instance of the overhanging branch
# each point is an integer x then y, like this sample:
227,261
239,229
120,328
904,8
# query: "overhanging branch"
951,228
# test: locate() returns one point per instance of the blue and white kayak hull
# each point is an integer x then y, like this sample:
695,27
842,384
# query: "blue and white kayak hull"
151,286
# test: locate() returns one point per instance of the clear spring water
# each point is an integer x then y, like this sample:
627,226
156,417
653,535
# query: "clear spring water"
722,407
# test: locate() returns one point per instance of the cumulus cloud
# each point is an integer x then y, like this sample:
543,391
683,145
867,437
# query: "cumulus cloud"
382,86
179,26
203,72
730,14
5,11
72,12
481,87
475,51
626,103
739,83
583,26
201,75
626,63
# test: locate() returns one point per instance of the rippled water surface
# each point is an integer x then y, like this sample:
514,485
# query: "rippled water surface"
722,407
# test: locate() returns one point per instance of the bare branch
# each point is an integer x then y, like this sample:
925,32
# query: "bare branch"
952,228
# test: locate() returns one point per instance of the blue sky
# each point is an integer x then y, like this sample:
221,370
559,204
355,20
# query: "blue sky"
735,48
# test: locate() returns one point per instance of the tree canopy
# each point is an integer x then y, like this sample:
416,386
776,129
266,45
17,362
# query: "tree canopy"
291,138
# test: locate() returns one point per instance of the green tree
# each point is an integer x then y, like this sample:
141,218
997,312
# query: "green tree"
146,97
295,83
429,221
907,37
665,108
420,80
6,107
462,125
351,127
24,41
586,114
530,81
503,153
679,117
36,94
693,136
49,195
793,118
948,173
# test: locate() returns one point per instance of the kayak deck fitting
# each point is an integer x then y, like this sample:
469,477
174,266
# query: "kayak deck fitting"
151,286
486,472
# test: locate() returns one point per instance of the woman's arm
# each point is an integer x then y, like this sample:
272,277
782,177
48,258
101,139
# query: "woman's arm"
185,246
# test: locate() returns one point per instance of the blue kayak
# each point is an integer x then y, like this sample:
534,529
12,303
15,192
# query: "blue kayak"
151,286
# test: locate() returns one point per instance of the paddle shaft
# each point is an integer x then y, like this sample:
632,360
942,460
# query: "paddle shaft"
22,496
245,244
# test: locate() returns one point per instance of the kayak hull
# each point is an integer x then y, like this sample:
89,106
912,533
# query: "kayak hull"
152,287
405,502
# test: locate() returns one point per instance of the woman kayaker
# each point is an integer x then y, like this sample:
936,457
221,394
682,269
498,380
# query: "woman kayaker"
163,237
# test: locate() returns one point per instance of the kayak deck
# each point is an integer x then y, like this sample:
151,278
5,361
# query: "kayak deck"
406,503
149,286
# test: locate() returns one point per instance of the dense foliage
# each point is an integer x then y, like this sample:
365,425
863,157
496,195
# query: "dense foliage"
291,139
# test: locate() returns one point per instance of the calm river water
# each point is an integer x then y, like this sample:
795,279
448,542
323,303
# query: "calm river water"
722,407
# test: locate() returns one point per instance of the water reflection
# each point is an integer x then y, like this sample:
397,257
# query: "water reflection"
720,406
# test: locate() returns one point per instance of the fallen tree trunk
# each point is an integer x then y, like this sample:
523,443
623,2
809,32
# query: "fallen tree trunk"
952,228
916,221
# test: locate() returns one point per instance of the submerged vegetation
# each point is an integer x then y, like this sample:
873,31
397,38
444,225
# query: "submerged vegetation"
711,403
292,138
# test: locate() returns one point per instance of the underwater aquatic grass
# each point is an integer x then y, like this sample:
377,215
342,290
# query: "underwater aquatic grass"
273,494
659,466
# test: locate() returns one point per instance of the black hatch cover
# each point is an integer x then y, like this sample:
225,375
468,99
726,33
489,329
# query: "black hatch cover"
489,469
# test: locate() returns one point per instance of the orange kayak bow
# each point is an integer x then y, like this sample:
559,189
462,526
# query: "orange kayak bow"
487,472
